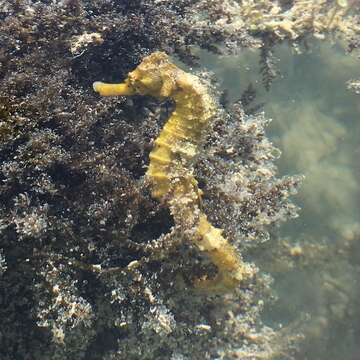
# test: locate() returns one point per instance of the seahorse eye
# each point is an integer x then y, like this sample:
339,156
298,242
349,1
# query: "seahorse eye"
150,83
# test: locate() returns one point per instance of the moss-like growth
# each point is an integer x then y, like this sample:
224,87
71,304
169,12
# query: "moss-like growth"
91,271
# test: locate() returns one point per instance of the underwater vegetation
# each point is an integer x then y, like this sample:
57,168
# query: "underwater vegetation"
93,263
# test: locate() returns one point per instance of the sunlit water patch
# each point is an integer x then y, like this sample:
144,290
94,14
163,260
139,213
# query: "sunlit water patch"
314,258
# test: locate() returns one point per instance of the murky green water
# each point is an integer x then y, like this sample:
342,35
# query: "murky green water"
316,125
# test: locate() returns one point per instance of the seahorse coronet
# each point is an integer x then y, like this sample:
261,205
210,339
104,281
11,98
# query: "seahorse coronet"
170,170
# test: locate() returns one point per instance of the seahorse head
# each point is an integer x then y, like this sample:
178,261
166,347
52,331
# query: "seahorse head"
155,76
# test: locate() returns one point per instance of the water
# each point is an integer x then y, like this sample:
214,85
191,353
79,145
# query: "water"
314,258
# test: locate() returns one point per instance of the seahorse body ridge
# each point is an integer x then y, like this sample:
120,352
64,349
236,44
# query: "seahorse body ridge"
170,170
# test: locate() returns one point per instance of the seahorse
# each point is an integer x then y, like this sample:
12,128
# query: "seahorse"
170,170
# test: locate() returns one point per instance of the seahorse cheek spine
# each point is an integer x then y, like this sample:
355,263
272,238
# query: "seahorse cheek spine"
170,167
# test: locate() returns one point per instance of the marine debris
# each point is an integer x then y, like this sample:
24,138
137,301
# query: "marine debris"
170,170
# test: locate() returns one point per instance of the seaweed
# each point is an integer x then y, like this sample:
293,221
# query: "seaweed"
87,253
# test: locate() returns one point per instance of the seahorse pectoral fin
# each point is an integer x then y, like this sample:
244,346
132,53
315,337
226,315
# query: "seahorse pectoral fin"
105,89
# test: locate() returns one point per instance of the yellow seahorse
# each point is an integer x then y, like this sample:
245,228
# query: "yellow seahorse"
170,169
